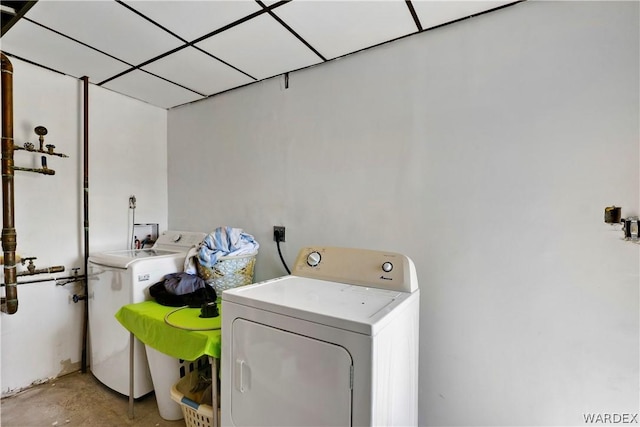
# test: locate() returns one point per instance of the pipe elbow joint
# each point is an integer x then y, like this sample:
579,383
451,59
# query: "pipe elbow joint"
9,306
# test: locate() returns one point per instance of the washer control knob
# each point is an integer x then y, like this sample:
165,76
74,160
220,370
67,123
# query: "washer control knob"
177,238
313,259
387,267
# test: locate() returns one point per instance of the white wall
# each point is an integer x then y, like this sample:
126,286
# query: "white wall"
127,156
486,151
128,149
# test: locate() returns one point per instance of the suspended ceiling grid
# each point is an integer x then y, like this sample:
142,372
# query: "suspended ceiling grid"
168,53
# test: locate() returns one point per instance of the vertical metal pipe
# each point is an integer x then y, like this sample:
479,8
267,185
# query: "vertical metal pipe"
132,342
85,81
9,241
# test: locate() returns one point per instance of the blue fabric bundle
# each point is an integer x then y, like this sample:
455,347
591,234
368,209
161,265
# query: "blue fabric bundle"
182,283
225,241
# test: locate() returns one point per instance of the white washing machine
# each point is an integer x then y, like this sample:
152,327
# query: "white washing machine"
333,344
123,277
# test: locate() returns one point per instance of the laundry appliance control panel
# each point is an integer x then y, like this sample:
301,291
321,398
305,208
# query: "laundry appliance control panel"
363,267
179,240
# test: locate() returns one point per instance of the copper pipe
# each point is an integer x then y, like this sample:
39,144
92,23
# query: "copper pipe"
9,241
60,281
44,171
54,269
35,150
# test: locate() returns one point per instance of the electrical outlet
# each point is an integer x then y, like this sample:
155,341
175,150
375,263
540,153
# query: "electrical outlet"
278,233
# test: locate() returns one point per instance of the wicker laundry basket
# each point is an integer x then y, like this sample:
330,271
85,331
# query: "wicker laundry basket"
229,272
195,414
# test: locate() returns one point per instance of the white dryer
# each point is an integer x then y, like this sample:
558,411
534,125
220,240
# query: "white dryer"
123,277
333,344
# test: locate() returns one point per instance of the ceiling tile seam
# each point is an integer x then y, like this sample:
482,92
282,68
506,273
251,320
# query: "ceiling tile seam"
172,51
187,43
464,18
341,56
142,64
228,26
276,5
412,10
137,98
76,40
117,75
143,16
421,31
291,30
224,62
28,61
170,81
199,39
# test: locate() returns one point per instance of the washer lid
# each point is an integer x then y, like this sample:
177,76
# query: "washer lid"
350,307
122,259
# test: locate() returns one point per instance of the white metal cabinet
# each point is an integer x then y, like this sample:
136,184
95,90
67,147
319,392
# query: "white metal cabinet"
285,379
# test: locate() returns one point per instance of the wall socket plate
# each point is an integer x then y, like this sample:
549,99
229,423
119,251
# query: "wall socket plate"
278,230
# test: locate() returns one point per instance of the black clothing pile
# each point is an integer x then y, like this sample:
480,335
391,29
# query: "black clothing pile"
180,289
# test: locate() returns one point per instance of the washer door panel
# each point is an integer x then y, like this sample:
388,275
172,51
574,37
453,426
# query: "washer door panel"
283,379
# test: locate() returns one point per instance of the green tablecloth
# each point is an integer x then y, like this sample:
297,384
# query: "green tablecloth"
146,321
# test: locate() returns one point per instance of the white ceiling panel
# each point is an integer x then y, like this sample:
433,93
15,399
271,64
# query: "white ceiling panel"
151,89
107,26
433,13
109,40
335,28
193,19
261,47
198,71
39,45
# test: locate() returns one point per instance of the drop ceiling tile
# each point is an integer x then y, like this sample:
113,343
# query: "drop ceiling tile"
336,28
193,19
260,47
433,13
151,89
198,71
107,26
34,43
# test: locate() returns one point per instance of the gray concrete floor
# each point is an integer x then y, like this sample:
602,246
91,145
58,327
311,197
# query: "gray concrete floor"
78,400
